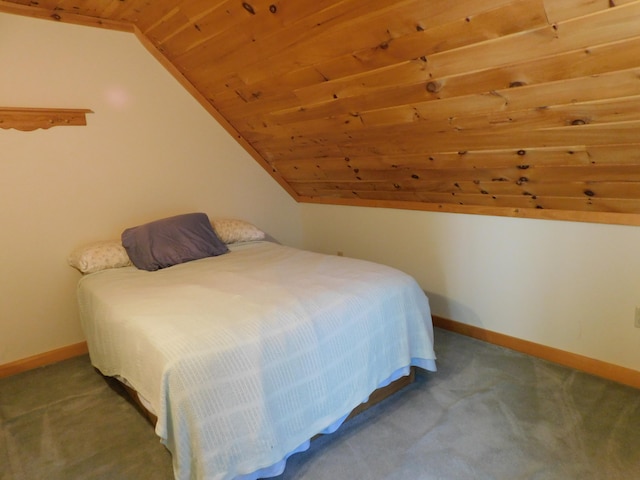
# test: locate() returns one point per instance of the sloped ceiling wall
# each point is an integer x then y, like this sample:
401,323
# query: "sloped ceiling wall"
504,107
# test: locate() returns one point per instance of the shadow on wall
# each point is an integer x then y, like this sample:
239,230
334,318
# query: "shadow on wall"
449,309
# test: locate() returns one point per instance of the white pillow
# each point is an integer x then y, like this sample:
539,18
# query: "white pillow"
231,230
99,256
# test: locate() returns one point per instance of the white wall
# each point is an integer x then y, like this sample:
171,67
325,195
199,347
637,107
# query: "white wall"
572,286
148,151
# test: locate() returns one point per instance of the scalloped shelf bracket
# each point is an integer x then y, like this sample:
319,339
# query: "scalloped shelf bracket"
27,119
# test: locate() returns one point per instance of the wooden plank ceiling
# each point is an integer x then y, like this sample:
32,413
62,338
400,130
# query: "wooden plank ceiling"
508,107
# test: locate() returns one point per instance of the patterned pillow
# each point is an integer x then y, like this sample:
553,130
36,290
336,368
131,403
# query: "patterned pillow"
99,256
231,230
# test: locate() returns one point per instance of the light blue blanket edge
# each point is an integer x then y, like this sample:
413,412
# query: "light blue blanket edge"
278,467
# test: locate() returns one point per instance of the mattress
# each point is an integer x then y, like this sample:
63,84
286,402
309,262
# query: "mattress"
246,356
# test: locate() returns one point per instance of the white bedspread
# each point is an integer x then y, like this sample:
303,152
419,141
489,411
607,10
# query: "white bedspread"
246,356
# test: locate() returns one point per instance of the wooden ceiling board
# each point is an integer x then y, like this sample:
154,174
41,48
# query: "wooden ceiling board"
525,108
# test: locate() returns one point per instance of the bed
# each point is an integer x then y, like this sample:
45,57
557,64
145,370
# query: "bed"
245,356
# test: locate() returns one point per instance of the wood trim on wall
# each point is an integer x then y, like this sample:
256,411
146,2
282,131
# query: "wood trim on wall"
28,119
599,368
611,218
43,359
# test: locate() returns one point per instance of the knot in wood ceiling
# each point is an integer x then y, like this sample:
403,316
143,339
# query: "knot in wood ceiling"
508,107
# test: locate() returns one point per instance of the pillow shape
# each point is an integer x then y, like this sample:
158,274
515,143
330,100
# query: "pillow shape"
171,241
99,256
231,230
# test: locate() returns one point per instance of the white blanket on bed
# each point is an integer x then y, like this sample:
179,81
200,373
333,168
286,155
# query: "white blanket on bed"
245,356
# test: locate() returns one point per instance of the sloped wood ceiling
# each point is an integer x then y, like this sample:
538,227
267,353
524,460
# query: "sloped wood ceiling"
508,107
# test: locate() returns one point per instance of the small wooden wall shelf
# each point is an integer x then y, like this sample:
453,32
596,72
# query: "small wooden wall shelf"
27,119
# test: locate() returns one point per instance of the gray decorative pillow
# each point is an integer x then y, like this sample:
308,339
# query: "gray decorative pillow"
173,240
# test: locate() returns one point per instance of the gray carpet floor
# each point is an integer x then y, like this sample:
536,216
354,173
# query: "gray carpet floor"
488,413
